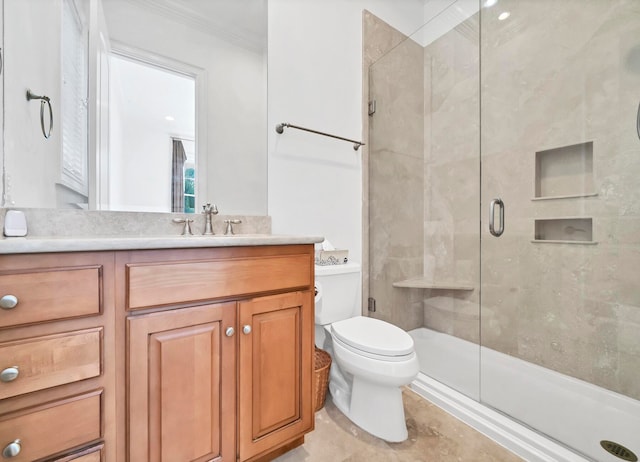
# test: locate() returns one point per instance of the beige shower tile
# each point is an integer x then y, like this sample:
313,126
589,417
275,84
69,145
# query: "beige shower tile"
378,37
396,83
399,306
453,312
628,382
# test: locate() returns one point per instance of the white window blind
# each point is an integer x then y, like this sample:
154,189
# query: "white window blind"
74,114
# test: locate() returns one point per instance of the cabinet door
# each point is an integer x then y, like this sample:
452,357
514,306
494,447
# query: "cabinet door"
276,369
181,385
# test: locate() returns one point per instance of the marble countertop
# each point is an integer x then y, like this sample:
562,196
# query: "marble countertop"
11,245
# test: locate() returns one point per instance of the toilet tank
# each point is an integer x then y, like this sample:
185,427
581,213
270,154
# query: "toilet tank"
338,292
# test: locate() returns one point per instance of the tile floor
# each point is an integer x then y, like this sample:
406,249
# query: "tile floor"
434,436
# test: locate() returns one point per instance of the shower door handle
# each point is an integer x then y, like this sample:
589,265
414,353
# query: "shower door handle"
638,121
492,213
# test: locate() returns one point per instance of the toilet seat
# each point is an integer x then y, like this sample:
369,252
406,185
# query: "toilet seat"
373,338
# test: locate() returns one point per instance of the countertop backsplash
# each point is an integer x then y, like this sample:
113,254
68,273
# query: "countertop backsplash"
80,223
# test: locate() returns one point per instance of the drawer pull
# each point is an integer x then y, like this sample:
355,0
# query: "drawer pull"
246,329
11,449
8,302
9,374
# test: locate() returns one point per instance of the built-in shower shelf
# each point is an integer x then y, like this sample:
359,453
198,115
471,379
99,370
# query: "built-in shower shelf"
565,171
542,241
571,196
576,230
422,283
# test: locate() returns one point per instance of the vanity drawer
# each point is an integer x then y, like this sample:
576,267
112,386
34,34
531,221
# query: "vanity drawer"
92,454
51,294
181,282
45,362
93,457
53,427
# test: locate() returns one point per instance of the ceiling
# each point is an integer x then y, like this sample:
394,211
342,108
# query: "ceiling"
243,22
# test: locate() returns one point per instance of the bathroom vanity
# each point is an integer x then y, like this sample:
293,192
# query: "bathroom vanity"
201,350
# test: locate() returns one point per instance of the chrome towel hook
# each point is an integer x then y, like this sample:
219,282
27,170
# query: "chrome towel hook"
43,100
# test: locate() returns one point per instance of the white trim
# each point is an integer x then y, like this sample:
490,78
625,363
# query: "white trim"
515,437
139,55
242,36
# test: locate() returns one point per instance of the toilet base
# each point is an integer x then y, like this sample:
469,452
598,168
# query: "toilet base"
374,408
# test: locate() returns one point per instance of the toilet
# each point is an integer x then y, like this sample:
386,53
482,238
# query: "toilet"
372,359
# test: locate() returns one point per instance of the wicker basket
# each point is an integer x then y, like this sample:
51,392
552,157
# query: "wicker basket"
322,364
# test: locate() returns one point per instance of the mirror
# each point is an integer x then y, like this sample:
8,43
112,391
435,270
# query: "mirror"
157,105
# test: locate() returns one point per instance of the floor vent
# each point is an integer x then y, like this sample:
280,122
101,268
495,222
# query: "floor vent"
618,450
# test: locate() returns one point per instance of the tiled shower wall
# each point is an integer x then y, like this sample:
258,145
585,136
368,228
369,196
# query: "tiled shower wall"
395,172
548,81
452,180
417,225
554,78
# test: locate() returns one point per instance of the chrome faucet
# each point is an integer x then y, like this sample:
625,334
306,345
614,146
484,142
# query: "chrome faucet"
208,211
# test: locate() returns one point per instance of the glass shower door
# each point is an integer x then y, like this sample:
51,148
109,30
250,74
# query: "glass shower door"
560,154
424,181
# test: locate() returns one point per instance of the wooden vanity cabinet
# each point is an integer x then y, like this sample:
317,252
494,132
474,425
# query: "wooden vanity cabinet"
180,355
58,404
219,352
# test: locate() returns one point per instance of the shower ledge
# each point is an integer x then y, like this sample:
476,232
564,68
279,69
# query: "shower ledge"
423,283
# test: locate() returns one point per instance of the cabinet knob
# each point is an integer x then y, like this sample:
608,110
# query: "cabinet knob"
246,329
229,332
8,302
11,449
9,374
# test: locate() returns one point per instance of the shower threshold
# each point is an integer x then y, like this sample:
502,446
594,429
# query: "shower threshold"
577,413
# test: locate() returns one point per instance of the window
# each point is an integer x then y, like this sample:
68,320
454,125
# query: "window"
190,190
189,176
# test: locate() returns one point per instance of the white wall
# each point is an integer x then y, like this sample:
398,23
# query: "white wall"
315,80
31,61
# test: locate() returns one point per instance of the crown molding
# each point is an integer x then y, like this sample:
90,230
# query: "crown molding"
178,11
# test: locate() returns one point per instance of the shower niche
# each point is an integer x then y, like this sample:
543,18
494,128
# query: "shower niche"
564,230
564,172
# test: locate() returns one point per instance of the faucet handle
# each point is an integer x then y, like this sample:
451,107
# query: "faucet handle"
187,225
230,223
210,209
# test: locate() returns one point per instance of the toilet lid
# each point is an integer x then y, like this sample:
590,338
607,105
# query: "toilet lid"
373,336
